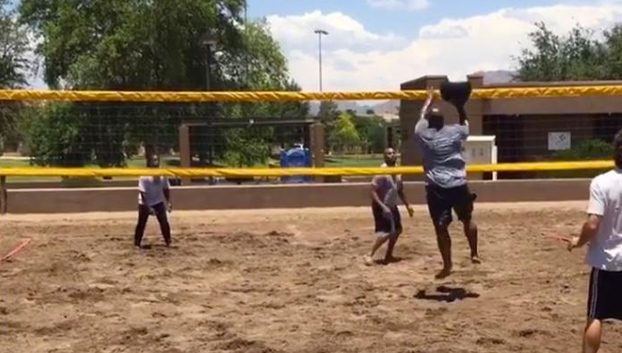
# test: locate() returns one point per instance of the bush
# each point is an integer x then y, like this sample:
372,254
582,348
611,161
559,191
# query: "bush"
56,136
586,151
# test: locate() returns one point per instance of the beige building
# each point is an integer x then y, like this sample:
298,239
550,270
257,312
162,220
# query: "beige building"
526,129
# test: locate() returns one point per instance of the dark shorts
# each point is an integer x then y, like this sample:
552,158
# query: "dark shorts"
605,295
441,201
384,223
160,208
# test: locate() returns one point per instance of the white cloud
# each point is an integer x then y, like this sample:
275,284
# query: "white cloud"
296,33
411,5
355,58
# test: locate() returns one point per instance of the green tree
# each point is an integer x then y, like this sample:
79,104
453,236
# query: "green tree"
137,45
263,67
580,54
371,130
344,136
155,45
576,56
613,43
130,45
328,115
54,135
13,68
13,49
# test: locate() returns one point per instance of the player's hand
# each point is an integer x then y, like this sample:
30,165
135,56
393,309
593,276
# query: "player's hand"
386,211
169,207
430,92
410,210
573,243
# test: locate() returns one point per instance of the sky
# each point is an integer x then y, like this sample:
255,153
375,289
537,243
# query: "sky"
378,44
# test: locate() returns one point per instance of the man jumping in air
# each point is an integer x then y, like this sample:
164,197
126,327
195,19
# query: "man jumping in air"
387,221
603,232
445,177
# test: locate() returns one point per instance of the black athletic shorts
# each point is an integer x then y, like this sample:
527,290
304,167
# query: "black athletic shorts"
441,201
605,295
382,222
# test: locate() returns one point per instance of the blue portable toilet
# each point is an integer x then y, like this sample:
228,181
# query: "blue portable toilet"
296,158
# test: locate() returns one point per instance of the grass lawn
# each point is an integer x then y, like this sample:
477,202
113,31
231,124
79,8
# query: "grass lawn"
354,160
139,162
25,163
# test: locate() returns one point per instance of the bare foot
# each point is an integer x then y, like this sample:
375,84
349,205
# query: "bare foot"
476,260
368,260
391,259
445,272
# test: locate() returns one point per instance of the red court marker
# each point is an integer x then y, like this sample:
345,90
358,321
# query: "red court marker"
559,237
16,250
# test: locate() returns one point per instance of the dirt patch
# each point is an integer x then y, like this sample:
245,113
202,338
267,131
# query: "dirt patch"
292,281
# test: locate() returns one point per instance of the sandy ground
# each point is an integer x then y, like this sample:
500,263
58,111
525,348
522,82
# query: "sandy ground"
292,281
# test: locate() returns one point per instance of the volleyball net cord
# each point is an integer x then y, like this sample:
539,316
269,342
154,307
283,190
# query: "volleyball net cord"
276,172
257,97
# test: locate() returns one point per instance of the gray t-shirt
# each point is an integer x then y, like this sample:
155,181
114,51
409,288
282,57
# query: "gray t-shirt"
443,162
387,188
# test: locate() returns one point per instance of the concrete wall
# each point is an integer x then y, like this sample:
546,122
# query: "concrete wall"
281,196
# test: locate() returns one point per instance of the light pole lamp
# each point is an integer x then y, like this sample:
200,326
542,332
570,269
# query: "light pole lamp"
209,41
320,33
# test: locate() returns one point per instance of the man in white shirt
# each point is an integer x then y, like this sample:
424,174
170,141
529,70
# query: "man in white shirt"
153,195
603,232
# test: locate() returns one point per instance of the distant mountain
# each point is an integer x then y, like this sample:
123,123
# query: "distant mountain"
388,107
342,106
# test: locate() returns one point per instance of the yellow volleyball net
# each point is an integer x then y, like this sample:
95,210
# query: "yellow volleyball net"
107,134
242,96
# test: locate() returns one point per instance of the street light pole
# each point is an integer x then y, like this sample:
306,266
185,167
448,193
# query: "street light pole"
208,65
209,40
319,33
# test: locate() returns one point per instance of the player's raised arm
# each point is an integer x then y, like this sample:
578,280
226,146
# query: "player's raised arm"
463,116
423,122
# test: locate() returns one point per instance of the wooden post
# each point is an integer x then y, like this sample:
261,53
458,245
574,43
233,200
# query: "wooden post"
185,157
317,147
4,197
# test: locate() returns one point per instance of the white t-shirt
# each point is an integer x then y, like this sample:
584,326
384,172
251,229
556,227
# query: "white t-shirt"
605,250
153,188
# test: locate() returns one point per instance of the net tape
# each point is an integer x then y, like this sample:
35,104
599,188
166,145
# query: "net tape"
276,172
148,96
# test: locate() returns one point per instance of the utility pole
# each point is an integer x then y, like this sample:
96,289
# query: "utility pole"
319,33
